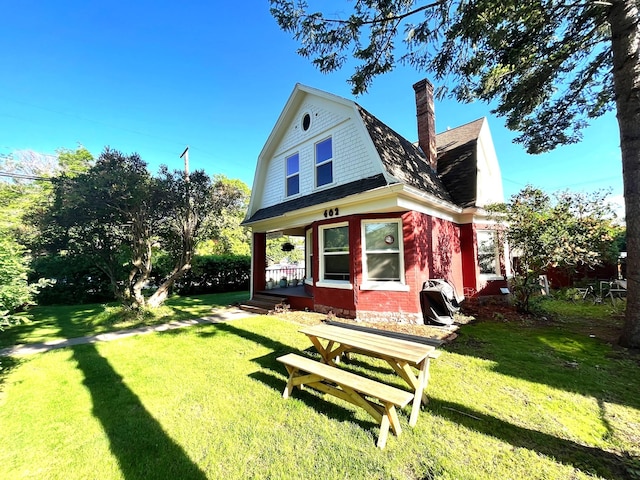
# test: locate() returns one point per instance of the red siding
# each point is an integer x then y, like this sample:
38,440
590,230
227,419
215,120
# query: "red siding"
433,248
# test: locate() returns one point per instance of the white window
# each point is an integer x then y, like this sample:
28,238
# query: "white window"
335,258
324,162
293,174
488,253
308,244
383,254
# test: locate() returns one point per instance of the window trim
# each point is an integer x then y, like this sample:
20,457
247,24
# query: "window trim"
322,282
324,162
393,285
287,175
305,115
497,272
308,256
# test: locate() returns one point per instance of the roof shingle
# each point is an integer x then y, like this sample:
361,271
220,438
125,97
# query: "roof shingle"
402,159
458,162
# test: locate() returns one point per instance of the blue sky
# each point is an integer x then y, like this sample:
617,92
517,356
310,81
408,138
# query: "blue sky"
154,76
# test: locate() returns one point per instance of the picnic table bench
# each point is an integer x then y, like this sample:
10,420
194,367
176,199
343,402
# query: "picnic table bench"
435,342
349,387
333,341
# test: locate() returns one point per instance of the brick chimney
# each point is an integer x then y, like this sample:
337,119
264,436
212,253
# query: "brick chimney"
425,112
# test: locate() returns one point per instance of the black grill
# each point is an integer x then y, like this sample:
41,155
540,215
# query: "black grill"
439,302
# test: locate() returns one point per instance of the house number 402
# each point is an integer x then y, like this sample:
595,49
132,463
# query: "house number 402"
331,212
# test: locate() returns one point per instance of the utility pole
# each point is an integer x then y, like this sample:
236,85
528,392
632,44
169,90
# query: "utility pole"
185,154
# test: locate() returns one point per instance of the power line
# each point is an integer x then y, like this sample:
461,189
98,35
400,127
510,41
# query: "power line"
100,122
24,176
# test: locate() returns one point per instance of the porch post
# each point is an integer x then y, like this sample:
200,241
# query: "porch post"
258,262
468,249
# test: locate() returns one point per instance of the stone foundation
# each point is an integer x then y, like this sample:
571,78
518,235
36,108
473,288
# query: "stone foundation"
391,317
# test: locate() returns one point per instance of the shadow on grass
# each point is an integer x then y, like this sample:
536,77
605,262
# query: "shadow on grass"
324,404
278,348
138,442
48,320
553,357
590,459
6,365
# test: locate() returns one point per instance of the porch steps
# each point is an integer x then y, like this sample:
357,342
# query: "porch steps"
261,303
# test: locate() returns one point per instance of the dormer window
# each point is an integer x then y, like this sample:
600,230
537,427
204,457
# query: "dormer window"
293,174
324,162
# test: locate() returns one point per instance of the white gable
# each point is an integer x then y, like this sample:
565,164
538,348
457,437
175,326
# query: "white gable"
489,180
353,154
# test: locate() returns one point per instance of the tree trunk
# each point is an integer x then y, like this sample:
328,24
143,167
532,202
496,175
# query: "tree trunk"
625,42
183,265
139,276
160,295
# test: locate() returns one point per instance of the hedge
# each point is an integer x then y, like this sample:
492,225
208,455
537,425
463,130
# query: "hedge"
78,280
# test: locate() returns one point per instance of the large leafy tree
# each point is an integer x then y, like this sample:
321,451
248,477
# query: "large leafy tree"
107,213
25,191
565,231
185,203
549,65
117,213
223,231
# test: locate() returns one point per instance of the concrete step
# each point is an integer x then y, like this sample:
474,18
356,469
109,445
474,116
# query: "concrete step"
260,297
253,309
262,303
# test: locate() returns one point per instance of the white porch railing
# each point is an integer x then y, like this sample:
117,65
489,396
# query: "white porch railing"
280,276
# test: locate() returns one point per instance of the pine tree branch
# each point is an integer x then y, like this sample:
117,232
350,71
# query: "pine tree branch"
385,19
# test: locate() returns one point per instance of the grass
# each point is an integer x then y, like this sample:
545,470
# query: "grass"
508,399
56,322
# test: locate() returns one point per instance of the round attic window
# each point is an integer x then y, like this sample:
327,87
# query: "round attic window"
306,122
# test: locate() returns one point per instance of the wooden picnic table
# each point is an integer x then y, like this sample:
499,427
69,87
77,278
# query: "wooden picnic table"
333,341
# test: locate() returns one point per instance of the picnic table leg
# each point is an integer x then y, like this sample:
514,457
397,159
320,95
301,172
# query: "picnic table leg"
321,349
329,355
289,388
417,398
404,370
384,431
390,410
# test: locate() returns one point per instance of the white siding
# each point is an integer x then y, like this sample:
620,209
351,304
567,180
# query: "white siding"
489,187
352,149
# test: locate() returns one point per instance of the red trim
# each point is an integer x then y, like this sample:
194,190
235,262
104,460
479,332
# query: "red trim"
259,260
468,251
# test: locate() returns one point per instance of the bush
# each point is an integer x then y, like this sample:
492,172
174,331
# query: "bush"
15,291
214,274
76,280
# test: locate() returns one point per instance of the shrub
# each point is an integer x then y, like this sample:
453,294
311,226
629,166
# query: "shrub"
216,273
75,280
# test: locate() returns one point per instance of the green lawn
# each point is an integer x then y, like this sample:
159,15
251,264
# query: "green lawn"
507,401
52,323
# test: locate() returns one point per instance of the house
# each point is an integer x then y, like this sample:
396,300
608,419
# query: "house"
380,215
